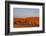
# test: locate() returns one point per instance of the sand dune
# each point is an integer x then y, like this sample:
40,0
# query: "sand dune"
26,22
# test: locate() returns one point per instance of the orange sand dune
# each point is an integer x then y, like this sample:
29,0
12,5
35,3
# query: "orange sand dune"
26,22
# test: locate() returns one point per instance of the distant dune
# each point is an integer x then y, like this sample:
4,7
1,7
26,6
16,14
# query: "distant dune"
26,22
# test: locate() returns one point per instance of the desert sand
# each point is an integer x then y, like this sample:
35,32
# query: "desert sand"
26,22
